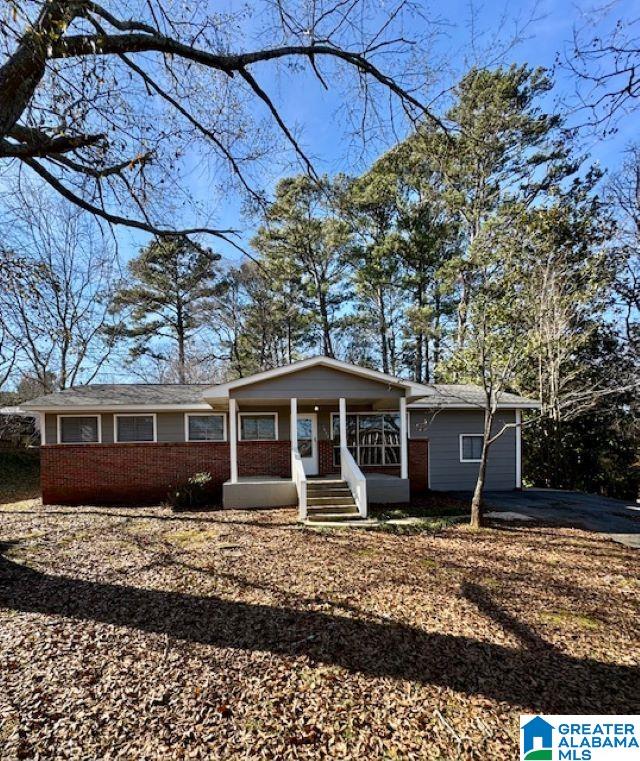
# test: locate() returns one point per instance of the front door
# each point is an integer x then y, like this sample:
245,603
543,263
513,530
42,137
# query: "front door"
308,442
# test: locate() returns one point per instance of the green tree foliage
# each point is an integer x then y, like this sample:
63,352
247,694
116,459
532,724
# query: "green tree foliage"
173,281
303,239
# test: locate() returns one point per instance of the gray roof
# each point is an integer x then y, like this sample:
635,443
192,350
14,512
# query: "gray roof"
129,394
466,394
159,394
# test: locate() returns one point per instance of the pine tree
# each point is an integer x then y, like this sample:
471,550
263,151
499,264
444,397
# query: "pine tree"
173,280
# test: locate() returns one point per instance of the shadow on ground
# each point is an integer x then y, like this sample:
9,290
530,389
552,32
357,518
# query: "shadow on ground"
534,675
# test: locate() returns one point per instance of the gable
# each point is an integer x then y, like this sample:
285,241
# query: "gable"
317,382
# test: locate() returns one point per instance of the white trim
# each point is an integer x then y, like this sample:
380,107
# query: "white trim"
342,413
255,414
233,442
134,414
404,452
462,435
293,422
109,408
222,390
43,428
187,415
75,443
523,405
518,449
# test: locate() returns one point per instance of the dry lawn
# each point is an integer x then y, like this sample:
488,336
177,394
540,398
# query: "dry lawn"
138,634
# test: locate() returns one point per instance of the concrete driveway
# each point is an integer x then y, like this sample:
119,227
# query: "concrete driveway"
614,518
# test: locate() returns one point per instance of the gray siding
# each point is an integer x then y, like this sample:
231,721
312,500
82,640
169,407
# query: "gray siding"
170,426
318,383
443,430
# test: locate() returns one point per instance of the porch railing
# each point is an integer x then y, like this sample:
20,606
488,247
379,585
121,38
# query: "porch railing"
352,474
300,479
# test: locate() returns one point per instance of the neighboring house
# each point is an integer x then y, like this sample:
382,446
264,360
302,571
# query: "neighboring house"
18,429
263,438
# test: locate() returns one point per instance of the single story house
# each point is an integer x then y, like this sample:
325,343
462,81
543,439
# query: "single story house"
325,435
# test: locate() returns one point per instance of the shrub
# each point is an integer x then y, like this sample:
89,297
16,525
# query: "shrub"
191,494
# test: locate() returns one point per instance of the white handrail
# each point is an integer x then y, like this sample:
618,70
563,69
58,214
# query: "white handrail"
300,479
352,474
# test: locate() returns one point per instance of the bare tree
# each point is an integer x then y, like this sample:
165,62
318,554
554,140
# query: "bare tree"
101,101
607,67
56,320
624,196
8,354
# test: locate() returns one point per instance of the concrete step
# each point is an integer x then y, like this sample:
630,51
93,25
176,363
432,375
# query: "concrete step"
358,522
332,517
327,487
331,499
342,493
318,509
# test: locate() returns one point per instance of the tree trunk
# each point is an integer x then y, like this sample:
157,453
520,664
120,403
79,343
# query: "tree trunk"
181,349
327,347
477,502
382,332
418,364
437,353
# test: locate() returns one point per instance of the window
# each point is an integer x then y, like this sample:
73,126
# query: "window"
471,447
79,429
372,438
135,428
258,426
205,427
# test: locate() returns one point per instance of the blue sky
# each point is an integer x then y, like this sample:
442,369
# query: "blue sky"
305,105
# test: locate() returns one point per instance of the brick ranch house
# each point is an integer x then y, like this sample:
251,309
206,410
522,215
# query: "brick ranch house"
321,434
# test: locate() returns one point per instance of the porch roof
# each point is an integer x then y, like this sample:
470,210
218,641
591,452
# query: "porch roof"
370,380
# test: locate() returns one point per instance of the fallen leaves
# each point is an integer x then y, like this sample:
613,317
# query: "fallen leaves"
136,633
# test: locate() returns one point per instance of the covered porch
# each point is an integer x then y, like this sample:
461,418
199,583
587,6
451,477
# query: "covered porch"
348,442
317,436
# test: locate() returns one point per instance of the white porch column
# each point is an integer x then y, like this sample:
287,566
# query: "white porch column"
404,460
343,422
518,449
233,439
43,427
294,424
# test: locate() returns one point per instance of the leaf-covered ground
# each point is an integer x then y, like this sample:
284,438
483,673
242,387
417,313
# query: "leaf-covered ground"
139,634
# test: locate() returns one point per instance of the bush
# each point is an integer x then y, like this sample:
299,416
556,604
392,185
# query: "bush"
193,493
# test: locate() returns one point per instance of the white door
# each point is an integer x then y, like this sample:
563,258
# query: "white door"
308,442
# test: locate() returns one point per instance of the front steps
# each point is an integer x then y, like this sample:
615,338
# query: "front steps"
331,503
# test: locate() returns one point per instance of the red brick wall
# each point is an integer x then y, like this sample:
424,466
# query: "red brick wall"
126,473
143,473
418,464
264,458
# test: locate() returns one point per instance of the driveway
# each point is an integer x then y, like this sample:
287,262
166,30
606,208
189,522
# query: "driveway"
617,519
